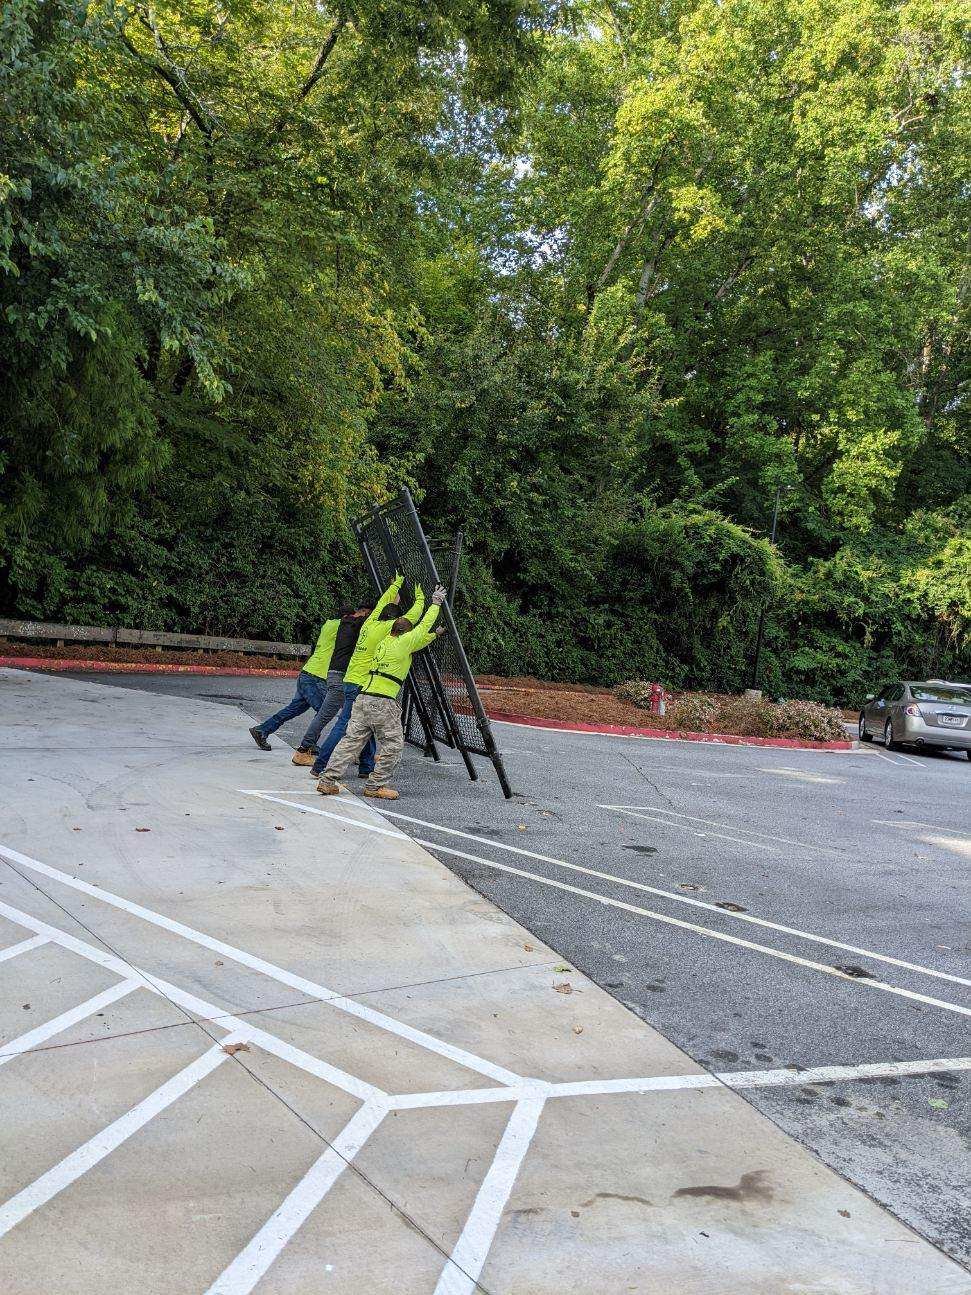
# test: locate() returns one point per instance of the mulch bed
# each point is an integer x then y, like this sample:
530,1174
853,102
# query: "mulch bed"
520,695
148,656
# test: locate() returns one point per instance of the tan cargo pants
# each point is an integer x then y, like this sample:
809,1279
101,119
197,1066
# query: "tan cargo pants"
382,717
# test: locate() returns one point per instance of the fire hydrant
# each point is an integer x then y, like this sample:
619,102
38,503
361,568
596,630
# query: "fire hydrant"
656,699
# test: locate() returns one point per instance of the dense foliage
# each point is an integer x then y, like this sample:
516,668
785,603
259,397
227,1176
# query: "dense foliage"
600,282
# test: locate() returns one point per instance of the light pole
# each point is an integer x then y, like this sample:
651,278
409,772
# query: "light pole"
758,636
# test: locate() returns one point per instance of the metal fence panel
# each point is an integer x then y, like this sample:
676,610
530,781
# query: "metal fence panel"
443,704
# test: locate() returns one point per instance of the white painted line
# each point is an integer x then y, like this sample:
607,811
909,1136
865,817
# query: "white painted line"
90,1153
703,930
309,987
25,946
199,1007
687,827
324,813
801,774
911,822
738,1079
671,1083
461,1274
16,1047
882,756
910,759
668,894
840,1074
250,1265
712,822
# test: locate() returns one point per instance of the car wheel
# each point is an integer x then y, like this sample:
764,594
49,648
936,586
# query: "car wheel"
888,738
864,735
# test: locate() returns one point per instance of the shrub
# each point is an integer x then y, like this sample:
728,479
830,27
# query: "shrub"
636,691
809,720
693,713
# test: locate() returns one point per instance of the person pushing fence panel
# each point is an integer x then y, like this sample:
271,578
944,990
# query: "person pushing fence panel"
376,711
375,629
318,685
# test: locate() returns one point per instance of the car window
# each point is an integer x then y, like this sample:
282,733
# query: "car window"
935,692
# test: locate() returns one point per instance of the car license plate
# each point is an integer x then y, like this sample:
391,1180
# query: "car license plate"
953,720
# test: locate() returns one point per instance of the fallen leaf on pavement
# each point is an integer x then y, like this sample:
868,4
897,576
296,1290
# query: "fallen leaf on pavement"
563,968
578,1029
278,829
143,829
565,988
521,827
845,1213
26,1007
233,1048
937,1103
729,906
218,963
528,948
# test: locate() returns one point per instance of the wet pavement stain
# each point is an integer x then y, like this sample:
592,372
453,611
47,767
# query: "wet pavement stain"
750,1187
616,1196
858,973
641,849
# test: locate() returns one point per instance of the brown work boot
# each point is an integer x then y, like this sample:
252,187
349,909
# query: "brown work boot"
380,793
303,757
328,788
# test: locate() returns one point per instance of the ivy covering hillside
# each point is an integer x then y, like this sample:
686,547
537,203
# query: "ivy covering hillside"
599,282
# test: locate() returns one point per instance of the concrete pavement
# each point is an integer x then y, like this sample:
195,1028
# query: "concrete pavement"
252,1039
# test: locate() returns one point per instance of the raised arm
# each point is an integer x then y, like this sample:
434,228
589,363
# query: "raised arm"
423,633
390,595
415,610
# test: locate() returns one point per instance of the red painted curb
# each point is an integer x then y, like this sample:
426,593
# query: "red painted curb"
136,667
628,730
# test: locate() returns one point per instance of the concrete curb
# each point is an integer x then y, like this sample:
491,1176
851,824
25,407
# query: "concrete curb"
628,730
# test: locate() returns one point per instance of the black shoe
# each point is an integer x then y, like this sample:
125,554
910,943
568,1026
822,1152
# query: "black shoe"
258,737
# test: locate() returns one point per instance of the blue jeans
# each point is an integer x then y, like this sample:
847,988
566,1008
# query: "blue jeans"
310,694
365,764
333,701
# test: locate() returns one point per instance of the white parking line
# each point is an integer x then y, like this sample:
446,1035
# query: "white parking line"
687,827
913,822
711,822
802,775
739,1079
72,1167
16,1047
461,1273
25,946
249,1266
702,930
284,977
636,885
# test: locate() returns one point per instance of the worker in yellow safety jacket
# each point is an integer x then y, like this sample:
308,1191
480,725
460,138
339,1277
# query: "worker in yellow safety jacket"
376,713
320,682
374,630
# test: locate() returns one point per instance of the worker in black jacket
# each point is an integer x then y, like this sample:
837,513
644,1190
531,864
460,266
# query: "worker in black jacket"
345,641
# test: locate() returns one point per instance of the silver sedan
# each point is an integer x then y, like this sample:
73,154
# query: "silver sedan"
922,714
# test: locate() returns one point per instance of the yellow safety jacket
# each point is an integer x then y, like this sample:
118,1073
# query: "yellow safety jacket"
318,663
392,659
374,630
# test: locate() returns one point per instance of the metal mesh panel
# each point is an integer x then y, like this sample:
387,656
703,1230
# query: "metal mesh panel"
443,703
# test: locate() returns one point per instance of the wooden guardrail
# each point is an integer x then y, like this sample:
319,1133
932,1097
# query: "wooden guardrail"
46,631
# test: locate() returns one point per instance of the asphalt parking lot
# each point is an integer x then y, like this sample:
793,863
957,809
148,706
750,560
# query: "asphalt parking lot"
761,907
